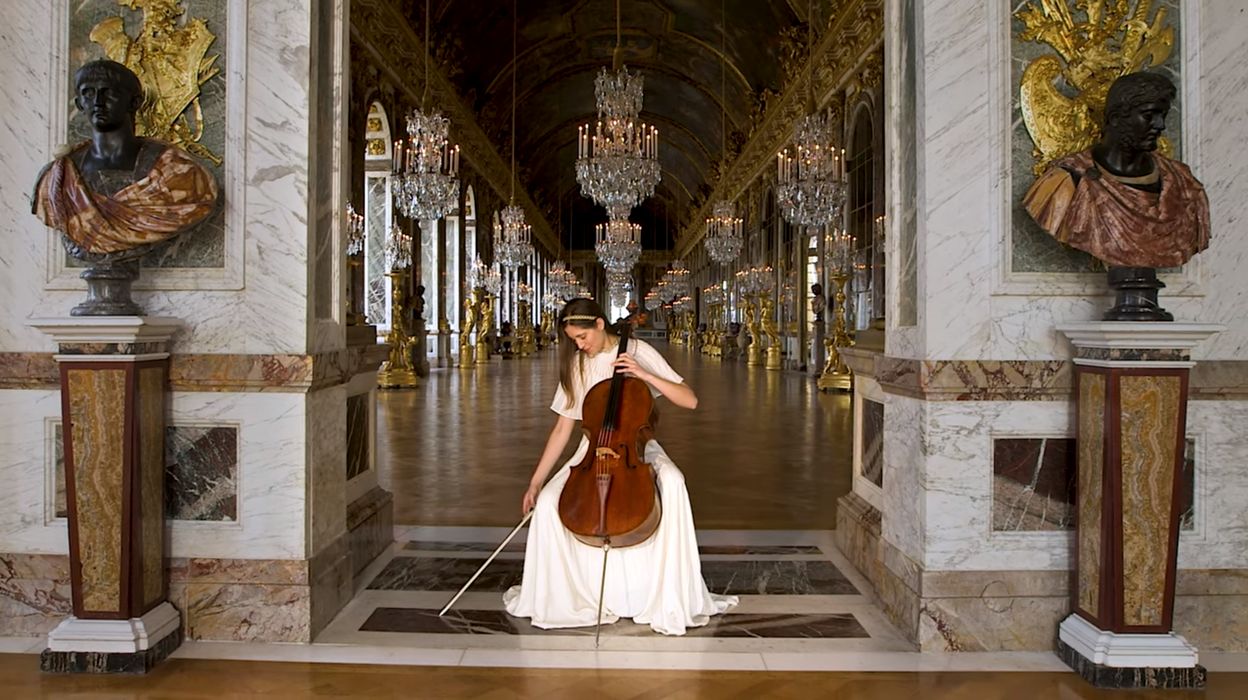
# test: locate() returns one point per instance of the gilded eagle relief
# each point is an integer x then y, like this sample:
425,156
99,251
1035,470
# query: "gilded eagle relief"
1062,94
173,63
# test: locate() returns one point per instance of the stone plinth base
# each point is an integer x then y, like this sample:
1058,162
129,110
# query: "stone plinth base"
1126,677
1109,660
113,646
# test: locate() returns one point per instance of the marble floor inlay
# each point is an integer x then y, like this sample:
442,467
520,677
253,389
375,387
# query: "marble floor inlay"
765,577
781,625
516,546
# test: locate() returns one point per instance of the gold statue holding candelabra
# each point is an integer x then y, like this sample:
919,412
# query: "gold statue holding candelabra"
466,357
396,372
768,323
836,374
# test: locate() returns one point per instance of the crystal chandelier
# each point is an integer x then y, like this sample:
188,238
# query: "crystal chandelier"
425,168
617,164
619,245
619,284
398,250
811,174
513,245
724,235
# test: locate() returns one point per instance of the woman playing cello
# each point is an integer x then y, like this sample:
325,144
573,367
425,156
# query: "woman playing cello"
658,582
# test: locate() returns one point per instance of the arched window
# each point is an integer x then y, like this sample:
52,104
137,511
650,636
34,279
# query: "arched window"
861,216
377,217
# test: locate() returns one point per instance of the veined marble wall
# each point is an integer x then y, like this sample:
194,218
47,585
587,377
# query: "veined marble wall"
263,347
973,304
270,487
259,303
984,362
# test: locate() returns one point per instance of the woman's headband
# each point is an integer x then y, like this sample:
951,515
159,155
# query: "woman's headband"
579,317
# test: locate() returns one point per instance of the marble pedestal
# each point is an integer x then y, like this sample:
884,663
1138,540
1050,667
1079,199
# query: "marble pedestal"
114,378
1131,407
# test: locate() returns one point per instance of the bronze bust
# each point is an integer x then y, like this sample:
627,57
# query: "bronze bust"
118,195
1124,203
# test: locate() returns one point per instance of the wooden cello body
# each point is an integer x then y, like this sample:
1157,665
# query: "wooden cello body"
611,497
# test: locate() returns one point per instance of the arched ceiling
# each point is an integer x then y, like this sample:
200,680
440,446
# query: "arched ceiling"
562,46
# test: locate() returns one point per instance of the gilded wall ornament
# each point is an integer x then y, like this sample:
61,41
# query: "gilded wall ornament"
172,63
1095,42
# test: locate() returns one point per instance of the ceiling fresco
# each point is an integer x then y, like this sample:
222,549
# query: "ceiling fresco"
561,47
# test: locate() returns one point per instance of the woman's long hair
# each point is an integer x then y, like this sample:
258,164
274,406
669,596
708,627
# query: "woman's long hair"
569,355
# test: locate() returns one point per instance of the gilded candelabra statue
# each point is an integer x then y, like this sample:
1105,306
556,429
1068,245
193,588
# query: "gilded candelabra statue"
396,372
768,322
547,328
485,322
466,358
754,355
119,195
836,374
524,329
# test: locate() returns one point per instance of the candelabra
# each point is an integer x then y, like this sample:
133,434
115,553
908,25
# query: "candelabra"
524,324
485,321
768,323
466,358
396,372
354,226
836,374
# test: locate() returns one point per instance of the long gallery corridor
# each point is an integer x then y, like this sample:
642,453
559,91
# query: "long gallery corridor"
765,456
763,450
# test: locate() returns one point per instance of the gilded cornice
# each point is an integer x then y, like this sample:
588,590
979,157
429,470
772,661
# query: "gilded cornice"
856,32
380,28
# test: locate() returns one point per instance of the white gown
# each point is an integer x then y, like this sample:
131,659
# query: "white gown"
658,582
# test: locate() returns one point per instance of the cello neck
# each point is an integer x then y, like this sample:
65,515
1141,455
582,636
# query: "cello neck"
617,379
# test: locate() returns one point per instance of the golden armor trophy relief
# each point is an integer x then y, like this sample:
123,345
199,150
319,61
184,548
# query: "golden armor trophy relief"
134,185
1107,186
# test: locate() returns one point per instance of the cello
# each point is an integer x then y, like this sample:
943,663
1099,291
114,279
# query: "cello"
611,499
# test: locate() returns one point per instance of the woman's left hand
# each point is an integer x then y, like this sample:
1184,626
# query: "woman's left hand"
626,364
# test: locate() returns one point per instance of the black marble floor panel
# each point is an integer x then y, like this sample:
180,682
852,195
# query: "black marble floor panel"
498,622
768,577
487,547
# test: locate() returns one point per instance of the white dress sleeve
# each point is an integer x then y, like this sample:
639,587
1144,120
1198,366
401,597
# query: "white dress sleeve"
654,363
562,406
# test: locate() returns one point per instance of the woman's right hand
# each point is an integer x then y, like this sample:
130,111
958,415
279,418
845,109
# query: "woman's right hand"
530,499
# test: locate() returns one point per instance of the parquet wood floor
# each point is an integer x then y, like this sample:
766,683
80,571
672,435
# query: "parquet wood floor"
764,450
180,679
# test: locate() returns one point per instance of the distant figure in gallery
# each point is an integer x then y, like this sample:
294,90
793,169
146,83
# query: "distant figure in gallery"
116,196
1122,202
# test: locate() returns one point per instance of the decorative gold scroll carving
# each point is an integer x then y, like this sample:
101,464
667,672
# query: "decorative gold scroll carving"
857,29
173,64
381,29
1096,41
